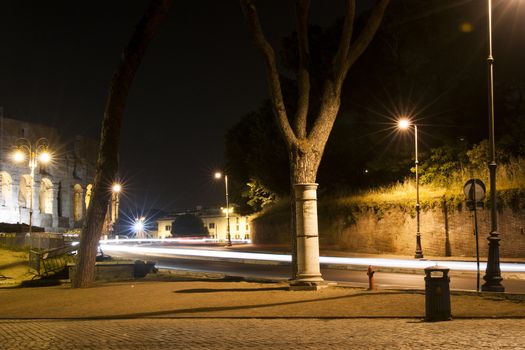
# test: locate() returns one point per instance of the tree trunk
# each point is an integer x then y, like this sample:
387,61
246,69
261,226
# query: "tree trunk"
307,273
107,163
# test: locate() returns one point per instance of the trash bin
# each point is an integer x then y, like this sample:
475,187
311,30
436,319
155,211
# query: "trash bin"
437,294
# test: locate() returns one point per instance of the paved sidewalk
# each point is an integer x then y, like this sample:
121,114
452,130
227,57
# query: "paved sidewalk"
176,312
255,334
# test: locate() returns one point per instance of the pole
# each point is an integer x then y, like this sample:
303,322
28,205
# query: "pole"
33,153
117,203
227,212
419,251
493,273
474,199
32,165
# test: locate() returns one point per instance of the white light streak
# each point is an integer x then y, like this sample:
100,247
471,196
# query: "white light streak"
227,254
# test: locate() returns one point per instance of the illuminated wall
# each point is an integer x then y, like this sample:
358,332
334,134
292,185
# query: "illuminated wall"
59,188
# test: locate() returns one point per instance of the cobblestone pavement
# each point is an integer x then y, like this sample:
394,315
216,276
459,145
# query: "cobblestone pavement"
217,333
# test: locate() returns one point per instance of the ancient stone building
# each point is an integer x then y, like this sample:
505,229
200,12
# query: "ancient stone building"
61,189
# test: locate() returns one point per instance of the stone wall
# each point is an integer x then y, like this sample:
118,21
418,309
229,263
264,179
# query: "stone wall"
444,232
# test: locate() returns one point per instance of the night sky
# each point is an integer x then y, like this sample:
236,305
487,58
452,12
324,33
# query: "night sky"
199,76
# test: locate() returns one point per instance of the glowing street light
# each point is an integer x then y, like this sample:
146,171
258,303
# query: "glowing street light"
35,153
404,124
116,188
218,175
138,227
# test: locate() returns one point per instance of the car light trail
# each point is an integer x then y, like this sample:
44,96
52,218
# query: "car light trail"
378,262
196,253
173,240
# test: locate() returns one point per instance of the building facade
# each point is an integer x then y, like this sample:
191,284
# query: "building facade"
61,189
217,225
214,222
163,228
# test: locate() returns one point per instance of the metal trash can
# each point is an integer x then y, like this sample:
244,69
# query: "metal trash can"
437,294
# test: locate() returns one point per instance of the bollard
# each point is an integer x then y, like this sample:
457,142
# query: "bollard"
370,273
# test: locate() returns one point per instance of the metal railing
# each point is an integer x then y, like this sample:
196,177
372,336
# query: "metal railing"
8,240
51,261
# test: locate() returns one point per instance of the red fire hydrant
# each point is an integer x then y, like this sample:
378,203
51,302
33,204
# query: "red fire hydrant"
370,273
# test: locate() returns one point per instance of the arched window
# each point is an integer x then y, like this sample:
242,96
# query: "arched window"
24,191
88,195
5,189
46,196
77,202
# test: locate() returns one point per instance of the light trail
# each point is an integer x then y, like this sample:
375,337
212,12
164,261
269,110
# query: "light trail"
378,262
173,240
195,253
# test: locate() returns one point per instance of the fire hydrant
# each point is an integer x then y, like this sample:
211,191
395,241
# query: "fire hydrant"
370,273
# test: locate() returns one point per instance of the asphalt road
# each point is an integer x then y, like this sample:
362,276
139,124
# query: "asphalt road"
341,276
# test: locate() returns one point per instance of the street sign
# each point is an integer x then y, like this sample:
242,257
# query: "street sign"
474,190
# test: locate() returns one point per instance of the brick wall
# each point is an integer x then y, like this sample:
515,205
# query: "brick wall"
444,232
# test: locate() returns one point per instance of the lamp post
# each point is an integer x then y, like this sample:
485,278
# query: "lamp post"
405,124
113,206
35,153
493,273
218,175
115,201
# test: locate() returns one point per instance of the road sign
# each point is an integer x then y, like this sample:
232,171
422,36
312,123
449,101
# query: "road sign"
474,190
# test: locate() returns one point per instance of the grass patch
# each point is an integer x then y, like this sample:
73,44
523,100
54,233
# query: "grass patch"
510,178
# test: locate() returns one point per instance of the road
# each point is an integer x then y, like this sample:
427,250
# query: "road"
282,271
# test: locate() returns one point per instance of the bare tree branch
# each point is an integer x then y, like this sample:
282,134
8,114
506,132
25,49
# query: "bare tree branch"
107,163
250,12
344,44
330,100
303,75
366,36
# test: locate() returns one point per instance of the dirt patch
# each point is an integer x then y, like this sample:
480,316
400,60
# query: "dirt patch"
14,267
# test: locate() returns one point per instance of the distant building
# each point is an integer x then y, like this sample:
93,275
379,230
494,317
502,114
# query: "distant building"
61,189
163,227
214,224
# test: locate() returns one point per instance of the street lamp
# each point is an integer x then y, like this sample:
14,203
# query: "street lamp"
493,273
138,227
115,201
218,175
35,153
116,188
404,124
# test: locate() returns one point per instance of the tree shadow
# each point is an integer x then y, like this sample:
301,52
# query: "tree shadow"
210,310
14,264
211,290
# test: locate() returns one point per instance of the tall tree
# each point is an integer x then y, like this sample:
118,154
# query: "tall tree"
107,163
306,141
